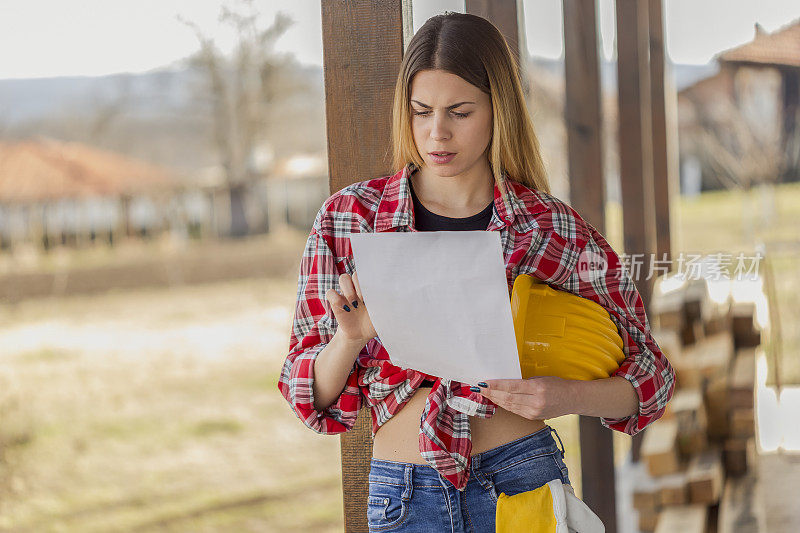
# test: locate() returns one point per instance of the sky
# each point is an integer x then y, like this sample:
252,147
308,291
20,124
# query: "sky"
45,38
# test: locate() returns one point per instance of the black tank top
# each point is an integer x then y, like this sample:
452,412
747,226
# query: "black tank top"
425,220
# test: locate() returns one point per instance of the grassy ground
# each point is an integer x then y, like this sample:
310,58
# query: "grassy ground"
157,410
734,222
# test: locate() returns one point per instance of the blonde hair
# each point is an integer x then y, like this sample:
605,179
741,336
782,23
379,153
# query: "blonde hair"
474,49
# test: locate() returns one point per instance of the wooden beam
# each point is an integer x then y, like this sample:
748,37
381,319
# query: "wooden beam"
583,111
636,148
505,15
362,51
587,196
661,175
363,44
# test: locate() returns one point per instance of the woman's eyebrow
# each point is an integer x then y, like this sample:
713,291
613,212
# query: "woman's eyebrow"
426,106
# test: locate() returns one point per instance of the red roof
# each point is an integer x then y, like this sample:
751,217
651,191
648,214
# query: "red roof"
781,47
44,169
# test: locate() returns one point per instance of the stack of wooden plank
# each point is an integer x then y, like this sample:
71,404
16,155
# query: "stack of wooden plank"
703,448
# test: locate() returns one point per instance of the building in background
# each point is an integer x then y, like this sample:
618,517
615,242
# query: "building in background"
55,193
741,127
66,193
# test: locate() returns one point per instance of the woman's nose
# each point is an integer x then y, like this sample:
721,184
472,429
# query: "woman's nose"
439,130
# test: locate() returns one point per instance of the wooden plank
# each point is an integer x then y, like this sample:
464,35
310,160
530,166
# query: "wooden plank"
715,397
671,319
742,422
688,409
706,476
703,361
746,332
683,401
659,449
743,315
648,519
667,310
362,44
647,496
740,510
683,519
692,332
668,341
717,317
739,455
645,488
741,391
674,489
695,299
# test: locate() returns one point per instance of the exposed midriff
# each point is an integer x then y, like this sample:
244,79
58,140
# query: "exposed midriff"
398,438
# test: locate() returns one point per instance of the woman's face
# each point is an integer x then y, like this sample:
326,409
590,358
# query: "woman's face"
449,114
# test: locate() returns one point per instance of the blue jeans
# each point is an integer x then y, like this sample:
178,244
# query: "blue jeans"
415,497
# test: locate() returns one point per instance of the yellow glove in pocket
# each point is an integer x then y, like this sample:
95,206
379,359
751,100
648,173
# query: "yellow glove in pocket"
552,508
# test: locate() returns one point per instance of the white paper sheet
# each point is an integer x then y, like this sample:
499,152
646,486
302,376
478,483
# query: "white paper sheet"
439,302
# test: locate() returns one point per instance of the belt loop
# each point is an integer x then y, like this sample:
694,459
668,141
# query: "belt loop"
483,479
409,481
559,440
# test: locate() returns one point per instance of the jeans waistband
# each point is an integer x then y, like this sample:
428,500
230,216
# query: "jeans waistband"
535,443
392,472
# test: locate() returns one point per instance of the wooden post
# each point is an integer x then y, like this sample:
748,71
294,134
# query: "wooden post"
583,112
636,148
504,15
587,196
661,175
363,44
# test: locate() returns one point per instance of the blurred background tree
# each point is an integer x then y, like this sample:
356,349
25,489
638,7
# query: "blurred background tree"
241,91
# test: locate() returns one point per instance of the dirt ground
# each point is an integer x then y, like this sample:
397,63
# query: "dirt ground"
158,410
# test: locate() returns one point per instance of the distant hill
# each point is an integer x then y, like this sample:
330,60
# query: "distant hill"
162,116
683,75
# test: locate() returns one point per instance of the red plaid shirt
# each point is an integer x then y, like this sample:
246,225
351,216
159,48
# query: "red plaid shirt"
540,235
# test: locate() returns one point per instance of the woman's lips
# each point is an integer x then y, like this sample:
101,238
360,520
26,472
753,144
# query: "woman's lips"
442,159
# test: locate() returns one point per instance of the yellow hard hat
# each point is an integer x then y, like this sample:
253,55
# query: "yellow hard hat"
562,334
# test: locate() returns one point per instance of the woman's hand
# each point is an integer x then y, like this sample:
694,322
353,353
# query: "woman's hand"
354,324
536,398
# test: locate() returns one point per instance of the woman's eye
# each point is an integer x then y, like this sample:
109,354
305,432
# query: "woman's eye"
426,113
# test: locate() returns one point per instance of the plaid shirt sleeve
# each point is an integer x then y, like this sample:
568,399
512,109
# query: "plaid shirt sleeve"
312,329
645,365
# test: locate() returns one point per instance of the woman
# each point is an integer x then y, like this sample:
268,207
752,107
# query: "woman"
469,160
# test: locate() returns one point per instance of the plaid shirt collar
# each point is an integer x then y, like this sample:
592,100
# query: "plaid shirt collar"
395,206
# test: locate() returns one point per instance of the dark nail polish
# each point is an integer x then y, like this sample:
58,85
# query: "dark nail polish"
355,304
346,308
482,384
474,389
